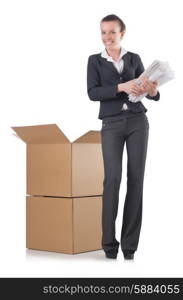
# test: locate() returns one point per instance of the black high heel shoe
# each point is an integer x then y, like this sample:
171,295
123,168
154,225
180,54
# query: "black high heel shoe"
111,254
108,255
128,254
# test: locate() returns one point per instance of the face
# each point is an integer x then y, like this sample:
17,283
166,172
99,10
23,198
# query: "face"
111,35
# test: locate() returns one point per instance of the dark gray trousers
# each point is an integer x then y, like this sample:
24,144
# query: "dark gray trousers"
132,128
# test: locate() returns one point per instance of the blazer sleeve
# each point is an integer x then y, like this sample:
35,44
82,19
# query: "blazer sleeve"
139,70
95,91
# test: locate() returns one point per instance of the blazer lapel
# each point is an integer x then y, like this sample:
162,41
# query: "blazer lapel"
126,64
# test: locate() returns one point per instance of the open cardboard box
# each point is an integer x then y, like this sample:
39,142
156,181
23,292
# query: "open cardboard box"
57,167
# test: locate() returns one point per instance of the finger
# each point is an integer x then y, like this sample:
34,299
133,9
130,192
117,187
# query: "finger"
144,86
155,83
137,90
137,87
149,84
136,94
146,81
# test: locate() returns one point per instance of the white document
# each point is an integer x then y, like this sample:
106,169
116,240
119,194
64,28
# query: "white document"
159,71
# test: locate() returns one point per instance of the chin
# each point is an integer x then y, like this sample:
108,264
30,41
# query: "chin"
110,47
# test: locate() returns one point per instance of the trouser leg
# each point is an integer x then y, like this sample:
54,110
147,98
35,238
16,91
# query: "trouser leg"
136,143
112,149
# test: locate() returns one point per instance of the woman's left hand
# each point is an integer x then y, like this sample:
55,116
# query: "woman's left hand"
149,86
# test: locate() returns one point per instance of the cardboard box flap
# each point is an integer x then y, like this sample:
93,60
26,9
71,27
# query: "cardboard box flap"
92,136
43,134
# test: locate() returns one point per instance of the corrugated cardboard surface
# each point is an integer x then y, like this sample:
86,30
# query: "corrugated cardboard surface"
66,225
49,224
87,224
87,169
49,169
41,134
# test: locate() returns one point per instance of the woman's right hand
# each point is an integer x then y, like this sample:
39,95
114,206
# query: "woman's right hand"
130,87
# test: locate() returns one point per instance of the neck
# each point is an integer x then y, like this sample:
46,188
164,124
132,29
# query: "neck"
114,53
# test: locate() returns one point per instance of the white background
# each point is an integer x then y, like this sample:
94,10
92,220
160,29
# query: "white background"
43,58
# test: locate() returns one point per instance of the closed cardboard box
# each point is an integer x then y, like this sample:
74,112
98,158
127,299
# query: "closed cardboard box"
66,225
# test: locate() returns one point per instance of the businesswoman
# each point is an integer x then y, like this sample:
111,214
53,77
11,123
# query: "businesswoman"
110,79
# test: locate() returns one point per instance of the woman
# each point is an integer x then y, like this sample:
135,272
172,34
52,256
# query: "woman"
110,79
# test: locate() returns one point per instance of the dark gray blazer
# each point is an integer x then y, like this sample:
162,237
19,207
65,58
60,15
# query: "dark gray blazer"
102,81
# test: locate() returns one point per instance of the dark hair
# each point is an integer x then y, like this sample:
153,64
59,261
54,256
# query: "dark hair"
115,18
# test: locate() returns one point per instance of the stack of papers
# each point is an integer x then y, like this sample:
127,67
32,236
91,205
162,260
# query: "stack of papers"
159,71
